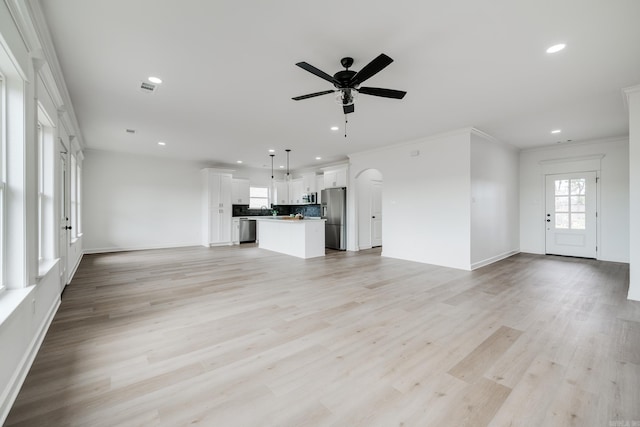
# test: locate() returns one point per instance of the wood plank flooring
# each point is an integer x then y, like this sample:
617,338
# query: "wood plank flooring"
239,336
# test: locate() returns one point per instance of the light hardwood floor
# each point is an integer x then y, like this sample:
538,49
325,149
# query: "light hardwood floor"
239,336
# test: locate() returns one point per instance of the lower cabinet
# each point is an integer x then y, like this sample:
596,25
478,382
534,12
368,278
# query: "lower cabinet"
235,231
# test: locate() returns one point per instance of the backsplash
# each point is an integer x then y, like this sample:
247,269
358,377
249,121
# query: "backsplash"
306,210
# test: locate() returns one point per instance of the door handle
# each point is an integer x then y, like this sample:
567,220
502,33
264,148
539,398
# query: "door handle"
373,216
548,220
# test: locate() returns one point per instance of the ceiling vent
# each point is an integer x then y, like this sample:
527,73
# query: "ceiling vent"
147,87
130,130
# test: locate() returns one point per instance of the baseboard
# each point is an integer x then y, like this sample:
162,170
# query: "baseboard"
75,268
138,248
491,260
13,388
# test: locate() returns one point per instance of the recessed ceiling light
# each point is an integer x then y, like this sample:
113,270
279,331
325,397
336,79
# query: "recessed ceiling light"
281,167
162,143
238,161
556,48
155,80
272,151
334,128
556,131
318,158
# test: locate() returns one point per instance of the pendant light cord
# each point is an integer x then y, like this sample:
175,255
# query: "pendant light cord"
287,150
272,156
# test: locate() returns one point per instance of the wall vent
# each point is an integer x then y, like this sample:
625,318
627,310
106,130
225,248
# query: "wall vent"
147,87
130,130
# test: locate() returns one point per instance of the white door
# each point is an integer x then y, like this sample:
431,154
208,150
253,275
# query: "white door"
376,213
571,214
63,215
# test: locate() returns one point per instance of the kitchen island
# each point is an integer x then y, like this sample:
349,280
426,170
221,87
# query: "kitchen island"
302,238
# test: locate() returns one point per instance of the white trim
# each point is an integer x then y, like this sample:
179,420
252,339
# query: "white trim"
493,259
146,248
10,393
74,269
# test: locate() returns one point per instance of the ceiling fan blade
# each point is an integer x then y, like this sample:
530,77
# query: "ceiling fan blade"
313,70
386,93
348,108
311,95
371,69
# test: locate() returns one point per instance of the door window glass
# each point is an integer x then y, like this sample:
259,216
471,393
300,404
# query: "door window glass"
570,203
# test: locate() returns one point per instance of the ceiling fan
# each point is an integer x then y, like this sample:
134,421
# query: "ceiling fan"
347,82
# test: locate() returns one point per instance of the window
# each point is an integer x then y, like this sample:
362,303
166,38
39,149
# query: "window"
258,197
78,199
3,180
41,213
46,211
74,198
570,203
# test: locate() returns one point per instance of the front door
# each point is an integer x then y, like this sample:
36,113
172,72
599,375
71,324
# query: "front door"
570,217
376,213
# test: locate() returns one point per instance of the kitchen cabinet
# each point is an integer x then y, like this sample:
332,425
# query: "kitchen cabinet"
239,191
335,178
282,193
309,183
216,207
319,187
296,190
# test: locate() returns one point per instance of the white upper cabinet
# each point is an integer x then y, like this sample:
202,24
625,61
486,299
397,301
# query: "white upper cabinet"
282,193
296,190
335,178
239,191
309,183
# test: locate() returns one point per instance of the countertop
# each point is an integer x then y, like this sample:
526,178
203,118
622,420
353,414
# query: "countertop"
286,218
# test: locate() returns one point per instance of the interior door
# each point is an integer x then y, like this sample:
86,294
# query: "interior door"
63,215
570,217
376,213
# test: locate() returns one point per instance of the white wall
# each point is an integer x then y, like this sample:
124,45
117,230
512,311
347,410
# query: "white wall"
494,200
633,101
140,202
425,199
364,184
613,213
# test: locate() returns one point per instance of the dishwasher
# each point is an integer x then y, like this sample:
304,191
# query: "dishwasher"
247,230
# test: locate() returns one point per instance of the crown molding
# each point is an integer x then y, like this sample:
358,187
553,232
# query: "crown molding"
35,32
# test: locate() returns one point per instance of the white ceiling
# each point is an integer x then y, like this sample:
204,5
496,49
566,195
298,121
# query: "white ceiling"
228,70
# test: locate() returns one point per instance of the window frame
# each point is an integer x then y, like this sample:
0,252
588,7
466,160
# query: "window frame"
3,179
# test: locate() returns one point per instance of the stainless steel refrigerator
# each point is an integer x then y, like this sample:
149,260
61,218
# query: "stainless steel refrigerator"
334,210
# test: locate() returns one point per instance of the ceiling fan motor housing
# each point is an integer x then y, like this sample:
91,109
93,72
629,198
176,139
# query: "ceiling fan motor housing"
343,78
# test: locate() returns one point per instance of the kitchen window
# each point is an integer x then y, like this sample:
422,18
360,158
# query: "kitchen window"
258,197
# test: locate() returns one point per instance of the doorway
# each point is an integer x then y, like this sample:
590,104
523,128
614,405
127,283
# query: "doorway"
369,208
571,214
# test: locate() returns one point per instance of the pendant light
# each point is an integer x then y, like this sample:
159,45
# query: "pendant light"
288,151
272,156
